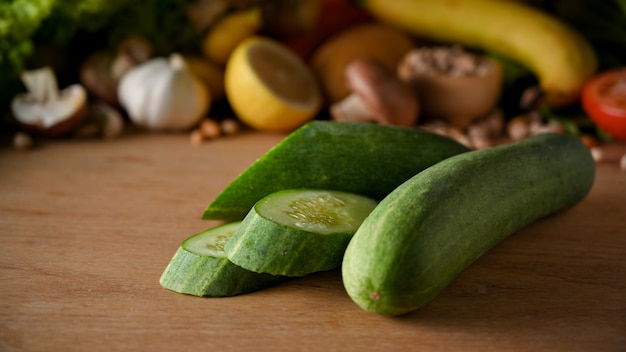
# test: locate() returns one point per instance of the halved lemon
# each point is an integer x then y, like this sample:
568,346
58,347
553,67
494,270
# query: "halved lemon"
269,87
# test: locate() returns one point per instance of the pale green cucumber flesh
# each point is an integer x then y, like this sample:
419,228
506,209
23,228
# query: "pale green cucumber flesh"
200,268
367,159
211,243
428,230
298,232
318,211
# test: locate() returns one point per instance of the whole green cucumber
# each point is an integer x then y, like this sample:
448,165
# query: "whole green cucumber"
430,228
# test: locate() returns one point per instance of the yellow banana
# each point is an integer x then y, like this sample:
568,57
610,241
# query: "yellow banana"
560,57
227,33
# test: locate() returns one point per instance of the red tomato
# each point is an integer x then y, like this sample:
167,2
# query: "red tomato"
604,100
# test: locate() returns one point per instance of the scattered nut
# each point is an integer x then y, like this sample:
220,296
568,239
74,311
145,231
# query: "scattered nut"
196,138
22,141
550,127
436,126
480,142
518,127
210,129
458,135
622,162
536,124
479,135
597,154
229,127
495,122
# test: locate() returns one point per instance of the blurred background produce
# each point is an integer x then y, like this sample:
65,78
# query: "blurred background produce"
95,44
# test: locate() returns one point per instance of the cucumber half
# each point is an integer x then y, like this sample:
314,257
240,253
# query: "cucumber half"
362,158
200,267
298,231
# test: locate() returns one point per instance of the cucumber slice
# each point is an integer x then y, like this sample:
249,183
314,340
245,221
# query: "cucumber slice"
367,159
200,267
298,231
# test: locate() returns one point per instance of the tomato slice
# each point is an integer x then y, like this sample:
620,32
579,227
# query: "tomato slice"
604,100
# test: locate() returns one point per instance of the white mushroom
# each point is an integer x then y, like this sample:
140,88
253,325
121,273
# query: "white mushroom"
43,109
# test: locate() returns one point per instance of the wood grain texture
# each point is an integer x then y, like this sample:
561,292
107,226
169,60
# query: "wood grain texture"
87,227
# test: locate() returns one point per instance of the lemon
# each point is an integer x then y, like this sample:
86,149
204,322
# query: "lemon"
269,87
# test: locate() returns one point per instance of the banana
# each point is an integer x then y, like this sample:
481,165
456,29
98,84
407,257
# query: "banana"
558,56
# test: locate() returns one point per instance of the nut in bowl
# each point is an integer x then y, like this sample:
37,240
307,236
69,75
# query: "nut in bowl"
452,84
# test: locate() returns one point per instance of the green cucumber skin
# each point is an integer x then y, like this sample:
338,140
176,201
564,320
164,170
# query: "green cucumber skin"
433,226
264,246
196,275
366,159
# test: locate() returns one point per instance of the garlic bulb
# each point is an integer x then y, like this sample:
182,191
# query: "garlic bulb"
162,94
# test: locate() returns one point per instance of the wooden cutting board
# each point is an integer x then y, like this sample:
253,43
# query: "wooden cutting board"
87,227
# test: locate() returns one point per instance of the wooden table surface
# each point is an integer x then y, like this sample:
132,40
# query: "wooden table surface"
87,227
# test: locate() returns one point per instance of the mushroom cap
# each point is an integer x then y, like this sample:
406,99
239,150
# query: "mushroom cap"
54,117
95,75
390,100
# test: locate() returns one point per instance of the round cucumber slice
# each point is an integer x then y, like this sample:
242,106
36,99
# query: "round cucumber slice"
297,232
211,243
200,267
